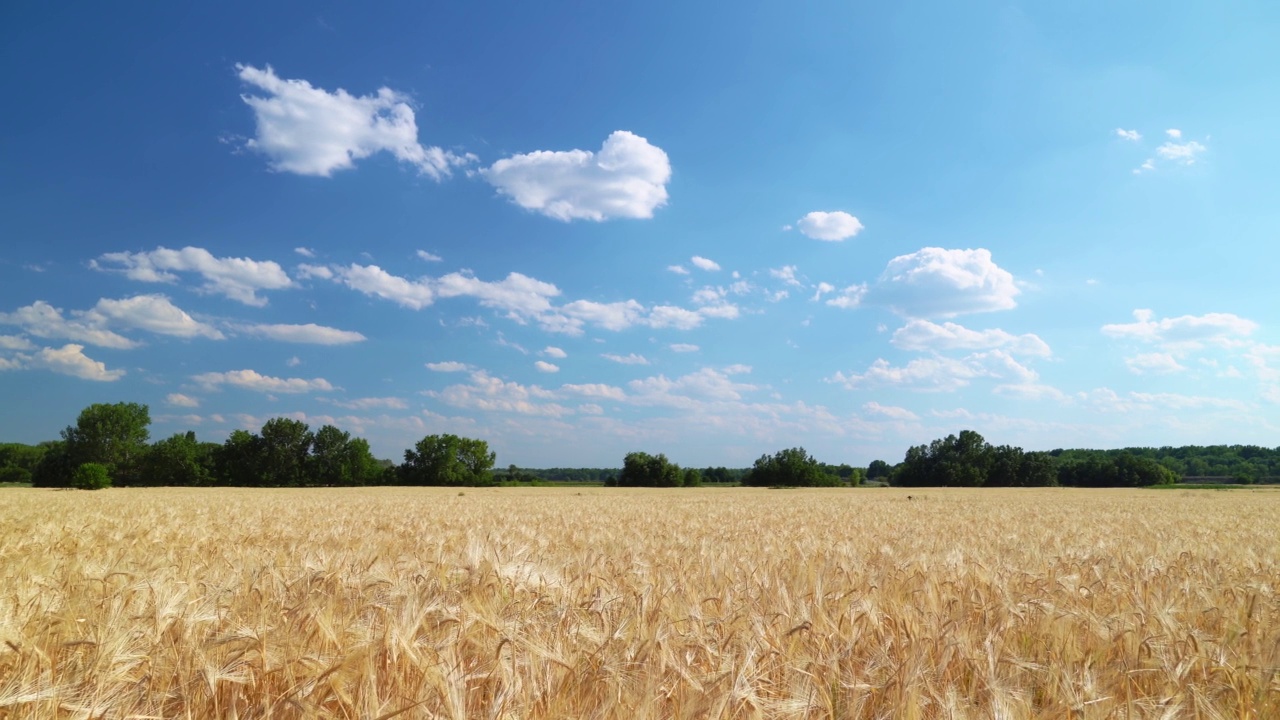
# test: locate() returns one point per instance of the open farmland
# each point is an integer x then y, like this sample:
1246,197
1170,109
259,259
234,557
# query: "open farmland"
606,603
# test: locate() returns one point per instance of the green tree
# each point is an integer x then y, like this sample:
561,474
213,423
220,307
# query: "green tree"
692,478
962,460
878,469
114,435
55,467
239,460
640,469
448,460
792,467
178,460
337,459
91,476
283,452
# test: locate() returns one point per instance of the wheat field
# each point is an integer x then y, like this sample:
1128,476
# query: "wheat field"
610,603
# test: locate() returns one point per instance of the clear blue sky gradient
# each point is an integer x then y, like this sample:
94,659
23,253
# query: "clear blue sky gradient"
1066,223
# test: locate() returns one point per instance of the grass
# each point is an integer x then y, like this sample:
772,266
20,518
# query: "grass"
610,603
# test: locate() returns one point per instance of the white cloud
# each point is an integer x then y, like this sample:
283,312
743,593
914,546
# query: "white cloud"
305,252
704,264
309,333
239,279
71,360
555,352
373,403
939,374
309,131
519,295
154,313
683,348
252,380
1160,363
1174,133
373,280
294,361
546,367
626,179
1187,331
677,269
822,289
429,257
610,316
1182,153
180,400
924,335
1147,165
596,390
1175,401
1132,135
629,359
937,282
787,274
45,321
669,316
487,393
306,272
15,342
689,390
830,226
889,411
850,297
448,366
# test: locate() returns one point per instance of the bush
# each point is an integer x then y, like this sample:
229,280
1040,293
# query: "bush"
15,474
91,476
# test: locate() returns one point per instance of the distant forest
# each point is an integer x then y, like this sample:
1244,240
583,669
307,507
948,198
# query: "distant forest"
110,444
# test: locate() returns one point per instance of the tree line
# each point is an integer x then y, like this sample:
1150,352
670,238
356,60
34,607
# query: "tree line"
110,445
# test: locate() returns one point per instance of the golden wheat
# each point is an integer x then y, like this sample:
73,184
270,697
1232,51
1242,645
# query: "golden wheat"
604,603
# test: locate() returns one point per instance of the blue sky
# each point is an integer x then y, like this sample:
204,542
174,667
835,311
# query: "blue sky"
710,230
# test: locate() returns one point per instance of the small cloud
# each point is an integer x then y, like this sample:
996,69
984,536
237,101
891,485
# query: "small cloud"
829,226
631,359
180,400
305,252
1147,166
1174,133
677,269
429,257
1158,363
448,366
555,352
294,361
787,274
71,360
1092,281
252,380
546,367
1182,153
309,333
1131,135
704,264
683,347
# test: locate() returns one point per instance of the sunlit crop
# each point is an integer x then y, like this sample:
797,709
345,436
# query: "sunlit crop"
608,603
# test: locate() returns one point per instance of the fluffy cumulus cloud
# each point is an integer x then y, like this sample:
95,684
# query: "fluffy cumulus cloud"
704,264
448,366
491,394
628,359
829,226
626,178
939,374
1130,135
71,360
180,400
925,335
1188,331
546,367
252,380
307,130
888,411
373,280
310,333
153,313
15,342
239,279
935,282
1153,363
46,321
555,352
